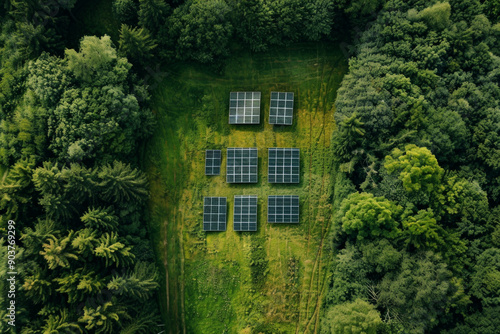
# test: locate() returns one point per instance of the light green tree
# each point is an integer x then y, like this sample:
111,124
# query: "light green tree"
365,216
357,317
436,16
422,231
417,167
95,54
85,242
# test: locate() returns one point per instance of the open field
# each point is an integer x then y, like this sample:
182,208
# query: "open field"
269,281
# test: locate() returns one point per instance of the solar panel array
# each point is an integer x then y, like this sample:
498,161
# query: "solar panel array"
284,165
283,209
281,111
245,213
214,213
244,108
242,165
212,162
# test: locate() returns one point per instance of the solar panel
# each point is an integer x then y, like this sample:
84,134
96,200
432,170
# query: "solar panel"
244,108
284,165
283,209
242,165
281,111
212,162
245,213
214,213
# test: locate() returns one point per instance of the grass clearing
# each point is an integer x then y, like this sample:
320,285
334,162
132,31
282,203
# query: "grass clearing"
269,281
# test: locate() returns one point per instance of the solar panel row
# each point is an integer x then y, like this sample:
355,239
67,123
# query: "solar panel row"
283,209
280,209
242,165
245,213
214,213
281,110
212,162
284,165
244,108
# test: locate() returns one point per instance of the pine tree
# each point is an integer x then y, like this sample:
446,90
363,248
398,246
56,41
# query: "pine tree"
152,14
37,287
56,253
120,183
103,318
80,182
136,44
79,284
59,324
85,242
113,251
102,219
16,189
143,322
139,283
47,179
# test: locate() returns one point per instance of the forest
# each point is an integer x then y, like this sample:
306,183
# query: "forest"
413,241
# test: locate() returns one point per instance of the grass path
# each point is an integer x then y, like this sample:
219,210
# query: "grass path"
209,278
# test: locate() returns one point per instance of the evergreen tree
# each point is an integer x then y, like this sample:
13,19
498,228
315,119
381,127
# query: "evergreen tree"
139,283
101,219
120,183
104,318
57,253
113,251
136,44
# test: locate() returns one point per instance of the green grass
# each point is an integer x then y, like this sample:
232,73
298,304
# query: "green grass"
208,277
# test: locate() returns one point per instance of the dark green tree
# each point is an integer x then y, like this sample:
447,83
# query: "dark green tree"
126,11
120,183
136,44
202,30
152,14
486,279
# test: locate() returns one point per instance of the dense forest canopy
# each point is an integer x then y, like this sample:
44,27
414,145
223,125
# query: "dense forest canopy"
416,232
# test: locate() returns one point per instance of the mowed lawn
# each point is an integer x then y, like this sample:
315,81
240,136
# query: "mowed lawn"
207,282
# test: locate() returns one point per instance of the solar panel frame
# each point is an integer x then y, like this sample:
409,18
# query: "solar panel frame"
244,107
242,165
212,162
245,213
214,214
283,165
283,209
281,108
